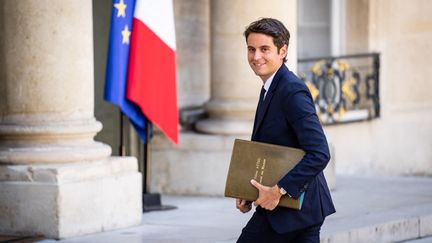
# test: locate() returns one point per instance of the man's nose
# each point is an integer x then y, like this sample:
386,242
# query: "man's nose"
257,55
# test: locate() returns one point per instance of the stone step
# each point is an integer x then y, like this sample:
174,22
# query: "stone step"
389,226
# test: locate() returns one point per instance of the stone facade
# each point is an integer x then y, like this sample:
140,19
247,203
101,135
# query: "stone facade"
48,91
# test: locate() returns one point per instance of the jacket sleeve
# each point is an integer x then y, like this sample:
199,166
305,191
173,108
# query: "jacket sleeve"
300,113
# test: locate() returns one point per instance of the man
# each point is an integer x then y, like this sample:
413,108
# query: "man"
285,116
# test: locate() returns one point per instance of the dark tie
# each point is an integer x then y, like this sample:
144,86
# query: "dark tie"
260,104
262,94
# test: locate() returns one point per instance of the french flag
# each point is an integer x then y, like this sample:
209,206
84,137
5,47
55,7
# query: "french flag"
151,69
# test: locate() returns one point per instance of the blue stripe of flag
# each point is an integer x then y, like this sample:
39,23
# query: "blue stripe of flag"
117,67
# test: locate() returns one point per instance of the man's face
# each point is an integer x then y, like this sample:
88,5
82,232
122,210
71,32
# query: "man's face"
263,55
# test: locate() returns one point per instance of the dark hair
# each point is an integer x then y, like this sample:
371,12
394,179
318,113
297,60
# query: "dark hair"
271,27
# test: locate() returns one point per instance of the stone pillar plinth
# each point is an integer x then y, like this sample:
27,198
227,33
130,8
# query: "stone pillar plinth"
55,180
70,199
234,86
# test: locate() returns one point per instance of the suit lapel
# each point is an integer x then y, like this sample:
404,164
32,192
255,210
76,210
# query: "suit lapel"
262,110
264,105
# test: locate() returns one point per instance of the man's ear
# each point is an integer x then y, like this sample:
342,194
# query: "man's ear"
284,51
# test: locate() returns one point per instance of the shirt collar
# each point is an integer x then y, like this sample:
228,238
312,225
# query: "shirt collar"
268,82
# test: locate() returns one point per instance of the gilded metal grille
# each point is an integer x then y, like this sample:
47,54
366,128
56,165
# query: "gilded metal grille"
344,88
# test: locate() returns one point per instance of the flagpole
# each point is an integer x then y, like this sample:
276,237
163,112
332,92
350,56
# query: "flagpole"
151,201
122,148
146,157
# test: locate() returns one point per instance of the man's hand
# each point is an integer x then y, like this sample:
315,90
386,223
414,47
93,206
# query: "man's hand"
243,205
268,197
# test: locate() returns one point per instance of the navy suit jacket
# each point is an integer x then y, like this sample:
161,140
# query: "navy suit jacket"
287,117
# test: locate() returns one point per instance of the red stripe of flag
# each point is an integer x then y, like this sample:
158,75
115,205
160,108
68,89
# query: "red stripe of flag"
152,79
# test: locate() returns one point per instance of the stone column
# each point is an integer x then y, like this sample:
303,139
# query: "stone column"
47,83
53,175
234,86
193,51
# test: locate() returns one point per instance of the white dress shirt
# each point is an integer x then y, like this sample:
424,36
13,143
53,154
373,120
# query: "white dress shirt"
267,84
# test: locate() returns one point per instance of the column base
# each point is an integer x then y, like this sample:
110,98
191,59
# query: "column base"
228,117
225,127
70,199
54,142
54,153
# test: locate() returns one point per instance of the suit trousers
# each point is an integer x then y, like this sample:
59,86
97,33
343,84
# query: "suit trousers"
259,230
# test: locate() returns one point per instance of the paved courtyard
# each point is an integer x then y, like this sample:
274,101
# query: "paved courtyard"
369,209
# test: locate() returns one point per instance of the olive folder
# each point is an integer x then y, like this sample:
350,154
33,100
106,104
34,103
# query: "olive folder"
266,163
